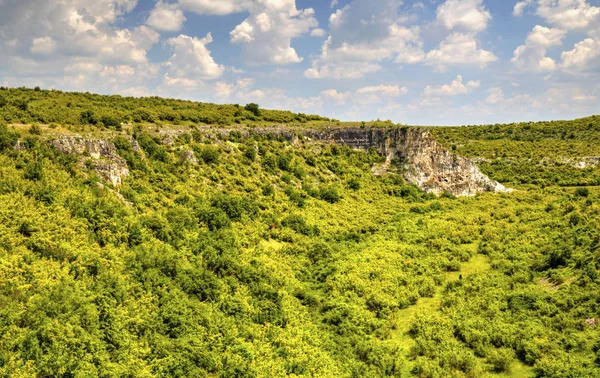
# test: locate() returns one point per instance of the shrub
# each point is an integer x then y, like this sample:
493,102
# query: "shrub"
35,130
253,108
250,153
87,117
7,138
501,360
354,184
582,192
208,154
298,223
330,194
111,122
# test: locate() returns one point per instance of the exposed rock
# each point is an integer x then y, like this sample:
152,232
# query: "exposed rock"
188,156
106,162
426,163
135,146
20,146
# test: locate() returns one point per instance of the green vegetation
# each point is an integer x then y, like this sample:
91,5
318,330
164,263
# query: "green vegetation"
25,106
267,260
539,153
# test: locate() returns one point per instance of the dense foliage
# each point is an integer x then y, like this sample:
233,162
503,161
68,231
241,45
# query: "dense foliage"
540,153
269,260
22,105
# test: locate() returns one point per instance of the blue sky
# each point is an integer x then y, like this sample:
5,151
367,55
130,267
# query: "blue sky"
428,62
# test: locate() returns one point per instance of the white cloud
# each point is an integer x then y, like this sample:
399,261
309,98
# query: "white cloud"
43,46
220,7
266,35
584,55
166,17
532,55
459,49
520,7
334,3
463,15
457,87
335,96
318,33
362,35
383,90
191,59
571,15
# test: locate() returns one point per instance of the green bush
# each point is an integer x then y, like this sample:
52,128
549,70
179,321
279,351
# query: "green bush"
253,108
330,194
207,153
8,139
35,129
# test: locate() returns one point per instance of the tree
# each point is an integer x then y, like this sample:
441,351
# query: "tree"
253,108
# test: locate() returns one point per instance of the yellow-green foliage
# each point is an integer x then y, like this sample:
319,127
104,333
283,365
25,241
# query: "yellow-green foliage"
286,261
22,105
540,153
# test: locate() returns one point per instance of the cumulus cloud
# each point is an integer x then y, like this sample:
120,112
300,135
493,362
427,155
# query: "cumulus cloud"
585,54
520,7
459,49
463,15
362,35
266,34
571,15
334,96
192,60
166,17
220,7
532,55
463,19
318,33
456,87
43,46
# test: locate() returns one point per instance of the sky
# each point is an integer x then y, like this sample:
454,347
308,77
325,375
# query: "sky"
428,62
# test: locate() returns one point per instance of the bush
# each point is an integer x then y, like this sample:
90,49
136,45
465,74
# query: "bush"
87,117
250,153
7,138
298,223
354,184
22,105
35,130
111,122
208,154
330,194
253,108
501,360
582,192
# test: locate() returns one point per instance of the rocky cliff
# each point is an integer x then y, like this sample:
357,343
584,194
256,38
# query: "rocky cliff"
425,163
422,160
105,160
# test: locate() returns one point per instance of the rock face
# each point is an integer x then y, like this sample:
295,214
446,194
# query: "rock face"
426,163
106,162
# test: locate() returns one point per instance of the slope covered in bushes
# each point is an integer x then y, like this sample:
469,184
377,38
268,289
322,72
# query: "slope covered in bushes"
267,259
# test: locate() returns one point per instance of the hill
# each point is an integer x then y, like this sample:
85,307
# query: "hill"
243,253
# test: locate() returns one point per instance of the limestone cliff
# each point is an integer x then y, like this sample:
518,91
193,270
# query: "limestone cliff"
422,160
425,162
105,160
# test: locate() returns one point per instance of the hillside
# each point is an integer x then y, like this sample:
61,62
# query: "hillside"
222,250
565,153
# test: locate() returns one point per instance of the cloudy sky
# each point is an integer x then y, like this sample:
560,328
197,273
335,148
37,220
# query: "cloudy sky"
433,62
